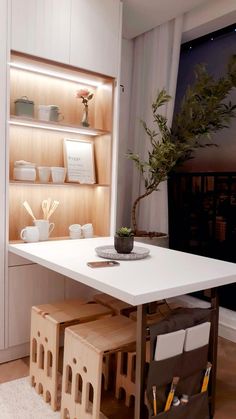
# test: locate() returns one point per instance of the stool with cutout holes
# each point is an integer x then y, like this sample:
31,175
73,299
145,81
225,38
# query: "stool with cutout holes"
118,307
48,322
85,347
125,374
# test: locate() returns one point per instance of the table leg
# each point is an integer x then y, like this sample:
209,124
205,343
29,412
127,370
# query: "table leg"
213,347
140,361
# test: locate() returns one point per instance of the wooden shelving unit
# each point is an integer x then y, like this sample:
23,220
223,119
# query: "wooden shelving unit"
203,214
41,142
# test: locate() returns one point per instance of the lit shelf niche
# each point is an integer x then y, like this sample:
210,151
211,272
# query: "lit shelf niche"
41,142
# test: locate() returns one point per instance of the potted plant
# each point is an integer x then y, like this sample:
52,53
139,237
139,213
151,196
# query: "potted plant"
124,240
203,111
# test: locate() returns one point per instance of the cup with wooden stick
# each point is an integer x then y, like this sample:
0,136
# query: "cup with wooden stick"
27,206
52,209
45,228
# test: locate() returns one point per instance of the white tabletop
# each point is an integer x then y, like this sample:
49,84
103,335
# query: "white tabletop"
165,273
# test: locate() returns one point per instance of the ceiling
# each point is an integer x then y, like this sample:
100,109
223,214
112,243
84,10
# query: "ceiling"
140,16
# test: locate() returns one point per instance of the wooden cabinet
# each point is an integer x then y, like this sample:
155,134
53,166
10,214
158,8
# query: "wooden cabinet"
83,33
41,28
96,35
41,142
29,285
51,41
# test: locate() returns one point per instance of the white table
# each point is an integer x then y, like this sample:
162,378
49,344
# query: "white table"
165,273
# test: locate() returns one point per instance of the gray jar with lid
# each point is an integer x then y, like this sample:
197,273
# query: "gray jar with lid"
24,107
55,114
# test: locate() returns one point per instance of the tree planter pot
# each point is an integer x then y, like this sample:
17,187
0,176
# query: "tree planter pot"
161,240
123,244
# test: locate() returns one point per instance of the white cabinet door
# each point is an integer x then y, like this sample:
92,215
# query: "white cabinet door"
74,289
29,285
41,28
95,35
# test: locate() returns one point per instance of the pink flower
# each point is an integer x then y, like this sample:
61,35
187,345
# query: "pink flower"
85,95
82,93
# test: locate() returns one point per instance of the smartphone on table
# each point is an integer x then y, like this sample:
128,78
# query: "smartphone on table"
103,264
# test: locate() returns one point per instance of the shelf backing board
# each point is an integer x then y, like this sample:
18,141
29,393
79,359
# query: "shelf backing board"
78,203
45,148
49,90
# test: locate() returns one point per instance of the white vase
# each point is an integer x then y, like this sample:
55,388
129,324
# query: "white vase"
84,121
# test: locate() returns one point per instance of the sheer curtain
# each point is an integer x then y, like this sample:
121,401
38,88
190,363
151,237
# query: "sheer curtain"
155,66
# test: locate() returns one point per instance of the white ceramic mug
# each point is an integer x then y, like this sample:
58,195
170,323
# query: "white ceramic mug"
87,230
75,231
58,174
30,234
45,228
44,174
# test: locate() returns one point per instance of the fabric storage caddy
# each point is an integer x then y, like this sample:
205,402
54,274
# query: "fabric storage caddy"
189,366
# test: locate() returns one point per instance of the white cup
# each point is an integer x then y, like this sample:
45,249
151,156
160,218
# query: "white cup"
87,230
45,228
58,174
75,231
44,174
30,234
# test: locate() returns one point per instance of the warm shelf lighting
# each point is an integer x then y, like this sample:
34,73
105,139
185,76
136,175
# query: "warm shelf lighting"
54,128
55,74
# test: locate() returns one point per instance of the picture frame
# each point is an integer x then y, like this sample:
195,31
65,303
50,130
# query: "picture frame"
79,161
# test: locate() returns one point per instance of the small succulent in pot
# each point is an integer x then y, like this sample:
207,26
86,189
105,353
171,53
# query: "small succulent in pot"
124,240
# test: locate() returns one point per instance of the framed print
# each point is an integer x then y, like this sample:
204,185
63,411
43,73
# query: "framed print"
79,160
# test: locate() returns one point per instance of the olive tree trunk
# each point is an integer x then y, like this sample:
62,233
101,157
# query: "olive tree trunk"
134,208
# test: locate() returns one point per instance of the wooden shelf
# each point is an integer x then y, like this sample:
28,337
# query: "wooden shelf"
55,126
29,183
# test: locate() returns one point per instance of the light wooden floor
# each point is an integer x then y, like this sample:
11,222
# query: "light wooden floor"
226,382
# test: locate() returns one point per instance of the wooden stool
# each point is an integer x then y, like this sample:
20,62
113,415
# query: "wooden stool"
47,321
125,374
85,346
118,306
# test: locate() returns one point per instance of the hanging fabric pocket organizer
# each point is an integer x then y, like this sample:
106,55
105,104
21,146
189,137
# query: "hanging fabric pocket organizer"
189,366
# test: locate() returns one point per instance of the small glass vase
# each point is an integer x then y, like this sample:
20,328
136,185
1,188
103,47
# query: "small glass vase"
84,121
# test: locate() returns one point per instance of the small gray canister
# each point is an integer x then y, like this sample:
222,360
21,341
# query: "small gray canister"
55,114
24,107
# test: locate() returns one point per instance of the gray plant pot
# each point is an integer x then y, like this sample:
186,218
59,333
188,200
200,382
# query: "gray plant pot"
123,244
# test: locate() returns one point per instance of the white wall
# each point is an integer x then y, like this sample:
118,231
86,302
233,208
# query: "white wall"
3,82
208,17
124,165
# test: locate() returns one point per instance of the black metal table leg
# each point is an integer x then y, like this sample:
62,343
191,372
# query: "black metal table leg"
214,299
140,361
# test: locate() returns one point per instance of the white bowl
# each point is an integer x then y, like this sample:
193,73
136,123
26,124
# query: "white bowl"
24,173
